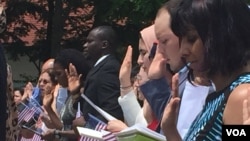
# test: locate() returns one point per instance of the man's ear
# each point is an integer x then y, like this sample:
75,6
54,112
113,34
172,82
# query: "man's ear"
105,44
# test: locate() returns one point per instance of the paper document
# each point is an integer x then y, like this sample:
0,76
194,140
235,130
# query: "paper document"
89,133
144,132
93,135
106,115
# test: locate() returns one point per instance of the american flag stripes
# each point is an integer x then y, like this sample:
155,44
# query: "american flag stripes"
34,138
108,136
30,111
83,138
95,123
30,114
26,114
98,125
22,114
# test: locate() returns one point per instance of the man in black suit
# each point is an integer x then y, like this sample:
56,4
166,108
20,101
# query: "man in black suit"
102,84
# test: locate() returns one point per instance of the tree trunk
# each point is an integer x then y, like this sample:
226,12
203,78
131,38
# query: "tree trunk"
51,8
57,28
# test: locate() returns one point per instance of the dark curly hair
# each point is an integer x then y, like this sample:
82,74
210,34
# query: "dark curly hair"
67,56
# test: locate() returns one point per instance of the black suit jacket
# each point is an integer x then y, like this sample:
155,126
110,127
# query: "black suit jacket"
102,87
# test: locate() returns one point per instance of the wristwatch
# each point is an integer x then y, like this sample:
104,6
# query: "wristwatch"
57,134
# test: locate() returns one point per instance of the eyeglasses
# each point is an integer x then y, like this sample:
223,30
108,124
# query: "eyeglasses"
44,81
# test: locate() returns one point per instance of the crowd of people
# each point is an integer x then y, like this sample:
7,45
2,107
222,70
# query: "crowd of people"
192,77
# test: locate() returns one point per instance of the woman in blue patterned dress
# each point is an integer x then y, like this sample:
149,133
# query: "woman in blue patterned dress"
214,37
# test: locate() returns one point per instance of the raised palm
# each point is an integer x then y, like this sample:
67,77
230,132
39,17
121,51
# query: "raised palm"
126,67
74,82
47,100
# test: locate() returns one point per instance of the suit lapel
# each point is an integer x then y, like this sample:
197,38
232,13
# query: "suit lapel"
96,68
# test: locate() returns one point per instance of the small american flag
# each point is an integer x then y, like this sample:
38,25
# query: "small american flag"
22,114
98,125
108,136
34,138
30,114
95,123
26,114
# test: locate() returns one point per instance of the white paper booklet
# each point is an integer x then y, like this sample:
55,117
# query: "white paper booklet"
90,133
137,128
106,115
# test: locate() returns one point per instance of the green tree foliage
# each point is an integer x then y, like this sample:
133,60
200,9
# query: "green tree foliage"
51,37
134,14
64,27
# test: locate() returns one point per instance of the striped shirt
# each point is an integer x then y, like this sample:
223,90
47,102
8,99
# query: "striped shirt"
208,124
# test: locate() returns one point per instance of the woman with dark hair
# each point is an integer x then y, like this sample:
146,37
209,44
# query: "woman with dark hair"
18,93
63,60
71,69
46,85
133,112
47,77
214,37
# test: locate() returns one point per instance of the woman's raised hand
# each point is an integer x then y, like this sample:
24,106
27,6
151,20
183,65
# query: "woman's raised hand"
126,67
158,67
170,114
47,100
27,91
74,82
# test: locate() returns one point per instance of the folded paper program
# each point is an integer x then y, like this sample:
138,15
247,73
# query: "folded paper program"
138,132
93,135
106,115
133,133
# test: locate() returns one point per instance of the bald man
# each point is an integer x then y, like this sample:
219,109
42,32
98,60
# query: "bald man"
48,64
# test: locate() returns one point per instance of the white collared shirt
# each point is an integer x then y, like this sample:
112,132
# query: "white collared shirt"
100,59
